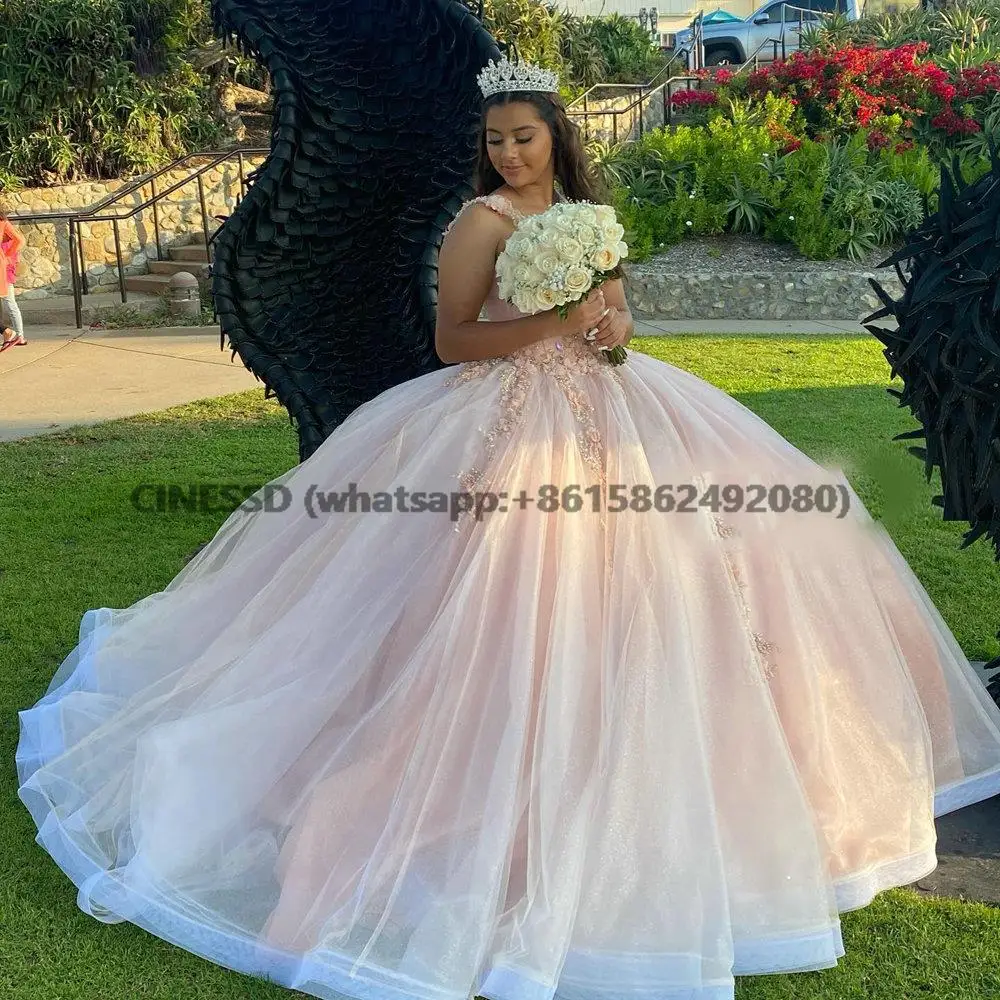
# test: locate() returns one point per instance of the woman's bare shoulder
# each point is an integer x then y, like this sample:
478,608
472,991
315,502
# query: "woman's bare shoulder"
477,222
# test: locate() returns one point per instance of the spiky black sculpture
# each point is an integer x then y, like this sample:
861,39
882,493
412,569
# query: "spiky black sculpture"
325,276
946,350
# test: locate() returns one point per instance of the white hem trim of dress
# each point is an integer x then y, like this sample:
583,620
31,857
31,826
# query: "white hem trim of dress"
328,975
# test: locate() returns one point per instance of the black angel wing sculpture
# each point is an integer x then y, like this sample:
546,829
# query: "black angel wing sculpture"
946,350
325,276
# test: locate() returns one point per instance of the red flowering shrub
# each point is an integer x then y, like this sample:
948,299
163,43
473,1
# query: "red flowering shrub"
978,81
684,99
881,90
954,124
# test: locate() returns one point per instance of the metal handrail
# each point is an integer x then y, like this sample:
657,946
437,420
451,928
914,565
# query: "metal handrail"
687,78
140,182
665,87
801,10
76,220
697,43
634,86
755,57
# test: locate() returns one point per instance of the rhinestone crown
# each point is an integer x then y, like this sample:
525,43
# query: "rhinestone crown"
504,76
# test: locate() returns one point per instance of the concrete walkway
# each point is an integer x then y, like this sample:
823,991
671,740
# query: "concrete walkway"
65,376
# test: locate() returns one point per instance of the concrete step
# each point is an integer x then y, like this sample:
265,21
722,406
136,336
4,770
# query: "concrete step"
155,284
170,267
194,252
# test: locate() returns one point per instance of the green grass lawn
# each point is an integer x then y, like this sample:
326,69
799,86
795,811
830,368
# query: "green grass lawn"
70,540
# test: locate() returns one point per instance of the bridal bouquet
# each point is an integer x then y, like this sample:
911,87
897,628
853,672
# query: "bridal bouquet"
554,259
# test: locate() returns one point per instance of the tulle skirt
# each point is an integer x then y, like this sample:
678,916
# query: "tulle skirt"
518,752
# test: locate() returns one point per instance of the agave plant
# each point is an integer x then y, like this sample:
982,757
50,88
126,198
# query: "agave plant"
893,30
746,210
834,32
582,52
607,159
536,30
646,173
962,34
898,208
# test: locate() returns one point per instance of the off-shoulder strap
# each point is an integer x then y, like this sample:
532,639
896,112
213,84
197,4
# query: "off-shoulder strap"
497,202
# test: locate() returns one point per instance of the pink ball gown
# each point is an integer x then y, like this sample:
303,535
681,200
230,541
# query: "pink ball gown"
533,754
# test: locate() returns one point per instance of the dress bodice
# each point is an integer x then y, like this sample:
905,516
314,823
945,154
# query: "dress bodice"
572,349
495,308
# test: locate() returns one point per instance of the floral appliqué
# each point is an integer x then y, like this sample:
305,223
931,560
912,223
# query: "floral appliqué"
764,647
561,360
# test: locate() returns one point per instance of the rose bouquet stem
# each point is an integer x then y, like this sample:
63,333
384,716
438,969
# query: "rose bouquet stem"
615,355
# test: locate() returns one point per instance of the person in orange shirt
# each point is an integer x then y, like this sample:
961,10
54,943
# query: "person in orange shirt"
11,242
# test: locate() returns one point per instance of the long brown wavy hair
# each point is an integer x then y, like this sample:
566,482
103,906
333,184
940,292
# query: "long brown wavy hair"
574,174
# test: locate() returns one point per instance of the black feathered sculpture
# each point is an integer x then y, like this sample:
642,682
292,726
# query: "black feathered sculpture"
947,351
325,276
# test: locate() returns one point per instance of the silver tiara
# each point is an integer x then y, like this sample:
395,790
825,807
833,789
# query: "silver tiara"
501,77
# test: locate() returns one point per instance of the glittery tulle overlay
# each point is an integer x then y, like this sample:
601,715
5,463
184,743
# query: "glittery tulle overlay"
573,754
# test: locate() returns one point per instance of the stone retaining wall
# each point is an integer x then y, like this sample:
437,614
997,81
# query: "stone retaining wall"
45,263
801,295
601,127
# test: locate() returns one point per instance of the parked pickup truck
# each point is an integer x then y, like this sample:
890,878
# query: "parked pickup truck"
733,42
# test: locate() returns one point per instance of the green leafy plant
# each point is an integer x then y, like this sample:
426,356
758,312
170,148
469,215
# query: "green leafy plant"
98,88
584,50
746,210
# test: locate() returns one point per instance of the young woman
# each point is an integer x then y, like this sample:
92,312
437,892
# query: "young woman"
11,242
639,728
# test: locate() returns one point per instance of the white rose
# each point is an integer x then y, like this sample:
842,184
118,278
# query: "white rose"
578,281
605,259
622,249
522,272
518,249
524,300
569,249
547,260
561,297
613,232
545,298
587,235
605,215
586,215
566,225
535,277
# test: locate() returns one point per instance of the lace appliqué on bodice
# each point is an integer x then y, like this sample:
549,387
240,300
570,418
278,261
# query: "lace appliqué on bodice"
561,358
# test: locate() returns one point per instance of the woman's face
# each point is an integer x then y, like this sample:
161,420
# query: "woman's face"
519,144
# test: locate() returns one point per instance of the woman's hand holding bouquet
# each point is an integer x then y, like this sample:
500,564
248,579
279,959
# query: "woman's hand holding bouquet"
554,259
